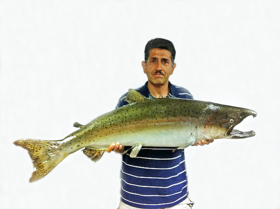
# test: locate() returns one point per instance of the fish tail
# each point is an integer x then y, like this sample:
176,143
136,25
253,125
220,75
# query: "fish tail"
45,155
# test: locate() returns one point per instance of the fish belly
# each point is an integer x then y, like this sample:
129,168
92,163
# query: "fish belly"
152,136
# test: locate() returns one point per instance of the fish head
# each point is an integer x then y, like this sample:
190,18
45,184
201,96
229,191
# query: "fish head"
221,120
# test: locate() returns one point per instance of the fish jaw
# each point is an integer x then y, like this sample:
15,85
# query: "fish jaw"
237,134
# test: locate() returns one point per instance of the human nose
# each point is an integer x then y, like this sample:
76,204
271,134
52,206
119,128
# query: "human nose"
159,66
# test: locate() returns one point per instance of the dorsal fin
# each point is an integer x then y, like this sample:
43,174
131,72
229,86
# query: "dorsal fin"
134,96
77,125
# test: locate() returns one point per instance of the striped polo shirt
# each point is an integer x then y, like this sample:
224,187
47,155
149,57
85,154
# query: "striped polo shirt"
157,177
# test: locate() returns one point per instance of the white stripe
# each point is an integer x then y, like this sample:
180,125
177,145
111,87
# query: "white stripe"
155,195
148,177
123,98
155,204
185,93
171,96
148,158
154,148
154,168
157,187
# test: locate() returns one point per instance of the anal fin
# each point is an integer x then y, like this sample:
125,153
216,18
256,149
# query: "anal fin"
93,154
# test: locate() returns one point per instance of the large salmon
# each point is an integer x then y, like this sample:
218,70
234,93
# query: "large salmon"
160,122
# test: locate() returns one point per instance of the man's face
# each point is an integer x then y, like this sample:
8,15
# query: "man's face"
159,66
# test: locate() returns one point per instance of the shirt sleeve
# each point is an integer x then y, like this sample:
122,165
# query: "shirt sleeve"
183,93
121,101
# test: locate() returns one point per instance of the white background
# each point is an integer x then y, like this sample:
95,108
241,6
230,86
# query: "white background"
67,61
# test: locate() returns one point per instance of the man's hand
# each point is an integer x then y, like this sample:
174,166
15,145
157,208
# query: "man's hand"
117,147
204,142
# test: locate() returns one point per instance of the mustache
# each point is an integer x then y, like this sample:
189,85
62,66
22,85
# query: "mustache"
159,71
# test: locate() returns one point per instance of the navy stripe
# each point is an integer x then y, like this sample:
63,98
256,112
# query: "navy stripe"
140,160
171,152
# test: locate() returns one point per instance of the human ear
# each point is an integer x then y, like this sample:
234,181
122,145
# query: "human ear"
144,65
173,67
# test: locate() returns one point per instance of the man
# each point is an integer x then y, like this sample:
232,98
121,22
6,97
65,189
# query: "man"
157,177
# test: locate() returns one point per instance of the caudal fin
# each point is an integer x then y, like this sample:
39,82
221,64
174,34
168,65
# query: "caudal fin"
45,156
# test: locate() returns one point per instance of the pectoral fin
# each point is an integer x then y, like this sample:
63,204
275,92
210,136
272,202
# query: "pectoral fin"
93,154
135,150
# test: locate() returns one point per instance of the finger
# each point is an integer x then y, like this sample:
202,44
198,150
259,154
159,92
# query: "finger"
205,142
116,148
112,146
121,148
209,141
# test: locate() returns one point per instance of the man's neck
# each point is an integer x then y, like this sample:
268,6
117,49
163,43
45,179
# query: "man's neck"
158,91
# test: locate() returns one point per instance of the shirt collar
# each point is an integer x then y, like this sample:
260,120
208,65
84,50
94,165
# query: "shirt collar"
145,91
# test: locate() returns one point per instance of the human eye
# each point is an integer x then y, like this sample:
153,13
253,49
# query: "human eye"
165,61
153,61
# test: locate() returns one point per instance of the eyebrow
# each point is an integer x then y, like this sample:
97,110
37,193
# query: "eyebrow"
160,58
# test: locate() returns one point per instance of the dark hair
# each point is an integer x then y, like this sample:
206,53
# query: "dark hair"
160,43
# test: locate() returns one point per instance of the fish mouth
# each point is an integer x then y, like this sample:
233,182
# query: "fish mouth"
236,134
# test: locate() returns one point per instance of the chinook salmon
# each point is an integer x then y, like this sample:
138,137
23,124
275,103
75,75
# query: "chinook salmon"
163,122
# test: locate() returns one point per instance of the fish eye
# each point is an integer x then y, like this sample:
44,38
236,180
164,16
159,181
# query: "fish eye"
231,121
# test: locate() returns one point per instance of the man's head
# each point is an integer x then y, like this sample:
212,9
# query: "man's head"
159,61
160,43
